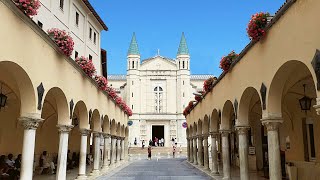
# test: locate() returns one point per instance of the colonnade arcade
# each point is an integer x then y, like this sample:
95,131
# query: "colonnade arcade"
278,133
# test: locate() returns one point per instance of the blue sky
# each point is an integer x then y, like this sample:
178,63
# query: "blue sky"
212,27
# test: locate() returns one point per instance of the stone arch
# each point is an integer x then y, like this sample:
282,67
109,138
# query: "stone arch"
214,121
106,124
205,125
113,128
19,81
56,100
277,86
199,130
244,105
227,115
81,113
96,121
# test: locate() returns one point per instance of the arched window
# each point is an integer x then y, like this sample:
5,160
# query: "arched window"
132,64
182,64
158,96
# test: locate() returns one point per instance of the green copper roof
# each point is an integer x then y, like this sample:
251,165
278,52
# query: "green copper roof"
183,48
133,49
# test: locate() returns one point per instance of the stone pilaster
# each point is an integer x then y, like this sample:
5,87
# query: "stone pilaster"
96,158
195,151
205,152
191,149
272,124
243,151
30,123
225,154
106,149
63,151
200,150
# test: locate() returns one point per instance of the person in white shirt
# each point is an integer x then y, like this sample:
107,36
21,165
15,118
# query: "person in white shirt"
10,161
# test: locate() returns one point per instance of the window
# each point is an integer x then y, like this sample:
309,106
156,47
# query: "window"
61,4
132,82
131,94
131,107
90,33
183,94
187,64
75,54
182,82
308,136
40,24
179,65
77,18
158,95
90,57
182,64
132,64
94,38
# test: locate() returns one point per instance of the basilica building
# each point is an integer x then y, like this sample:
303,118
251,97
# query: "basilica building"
157,89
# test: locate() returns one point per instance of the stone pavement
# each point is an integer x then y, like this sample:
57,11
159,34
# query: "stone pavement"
164,169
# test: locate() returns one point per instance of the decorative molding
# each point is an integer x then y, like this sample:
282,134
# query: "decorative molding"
106,135
71,108
64,128
85,132
263,92
272,125
225,133
40,90
316,67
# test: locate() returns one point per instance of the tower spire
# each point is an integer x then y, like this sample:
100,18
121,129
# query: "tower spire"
133,49
183,48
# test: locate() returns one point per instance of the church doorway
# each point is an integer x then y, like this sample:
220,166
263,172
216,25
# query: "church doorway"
157,133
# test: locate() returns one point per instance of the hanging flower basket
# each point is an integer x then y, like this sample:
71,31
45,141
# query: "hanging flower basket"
257,25
102,82
86,65
111,92
226,61
28,7
207,85
63,40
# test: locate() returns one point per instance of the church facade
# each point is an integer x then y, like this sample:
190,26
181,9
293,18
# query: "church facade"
157,89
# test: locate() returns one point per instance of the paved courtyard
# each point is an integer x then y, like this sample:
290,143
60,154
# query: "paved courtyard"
177,169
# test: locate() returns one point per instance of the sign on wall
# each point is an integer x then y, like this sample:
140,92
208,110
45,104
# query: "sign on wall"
252,150
184,125
130,123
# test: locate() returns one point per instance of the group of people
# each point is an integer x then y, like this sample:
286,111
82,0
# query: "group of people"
156,142
9,168
174,150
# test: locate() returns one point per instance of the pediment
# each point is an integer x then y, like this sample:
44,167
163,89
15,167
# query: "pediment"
158,63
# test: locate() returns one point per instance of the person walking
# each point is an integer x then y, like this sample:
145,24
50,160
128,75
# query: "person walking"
174,151
149,152
143,144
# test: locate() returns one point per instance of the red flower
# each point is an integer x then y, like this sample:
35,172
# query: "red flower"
207,84
86,65
102,82
226,61
63,40
256,26
29,7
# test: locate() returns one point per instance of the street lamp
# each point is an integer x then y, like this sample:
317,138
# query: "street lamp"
305,101
3,99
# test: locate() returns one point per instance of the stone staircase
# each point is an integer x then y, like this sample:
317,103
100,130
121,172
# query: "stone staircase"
157,152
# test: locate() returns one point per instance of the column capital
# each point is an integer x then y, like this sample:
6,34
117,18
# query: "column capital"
96,134
205,136
214,134
64,128
30,121
242,129
272,123
224,133
106,135
84,131
199,137
113,137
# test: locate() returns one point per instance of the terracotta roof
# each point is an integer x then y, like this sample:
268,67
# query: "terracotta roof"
87,3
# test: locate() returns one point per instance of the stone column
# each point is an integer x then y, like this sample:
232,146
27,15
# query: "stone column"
243,152
83,153
195,160
118,149
214,154
206,152
200,150
63,151
30,124
188,150
122,149
106,148
96,159
272,125
225,154
126,148
191,149
113,151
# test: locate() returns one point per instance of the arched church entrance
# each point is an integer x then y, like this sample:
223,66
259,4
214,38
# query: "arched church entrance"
157,133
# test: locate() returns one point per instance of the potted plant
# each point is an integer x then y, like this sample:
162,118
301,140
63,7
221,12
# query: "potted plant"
226,61
102,82
28,7
62,39
86,65
257,25
207,85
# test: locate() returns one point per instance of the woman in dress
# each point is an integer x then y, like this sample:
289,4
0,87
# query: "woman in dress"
149,152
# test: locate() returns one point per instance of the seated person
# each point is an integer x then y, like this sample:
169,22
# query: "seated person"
4,168
17,162
10,161
45,164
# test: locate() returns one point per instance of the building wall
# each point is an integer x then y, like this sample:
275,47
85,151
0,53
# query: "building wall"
52,16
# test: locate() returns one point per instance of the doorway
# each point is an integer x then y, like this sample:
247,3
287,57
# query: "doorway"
158,132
